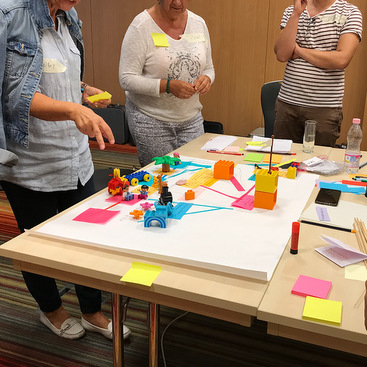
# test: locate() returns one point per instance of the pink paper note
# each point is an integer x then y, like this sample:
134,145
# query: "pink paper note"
99,216
308,286
236,184
244,202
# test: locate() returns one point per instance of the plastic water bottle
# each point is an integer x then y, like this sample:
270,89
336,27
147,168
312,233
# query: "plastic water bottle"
353,152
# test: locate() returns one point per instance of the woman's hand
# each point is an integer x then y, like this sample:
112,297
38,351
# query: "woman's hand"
202,84
91,91
91,124
181,89
300,6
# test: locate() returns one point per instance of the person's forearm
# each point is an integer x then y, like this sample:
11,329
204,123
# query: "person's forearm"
49,109
324,59
286,41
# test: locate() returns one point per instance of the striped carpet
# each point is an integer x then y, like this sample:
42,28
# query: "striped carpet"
192,341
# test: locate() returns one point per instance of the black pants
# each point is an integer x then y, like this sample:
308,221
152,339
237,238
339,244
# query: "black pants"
32,208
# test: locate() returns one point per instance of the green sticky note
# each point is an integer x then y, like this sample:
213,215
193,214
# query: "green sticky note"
160,40
141,273
254,157
322,310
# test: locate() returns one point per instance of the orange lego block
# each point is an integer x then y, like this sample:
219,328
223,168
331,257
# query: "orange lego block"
265,200
265,181
189,195
223,170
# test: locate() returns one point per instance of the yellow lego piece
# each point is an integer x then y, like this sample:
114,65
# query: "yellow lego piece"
265,181
292,172
98,97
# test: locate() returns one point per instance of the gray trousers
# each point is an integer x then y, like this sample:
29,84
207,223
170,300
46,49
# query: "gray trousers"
156,138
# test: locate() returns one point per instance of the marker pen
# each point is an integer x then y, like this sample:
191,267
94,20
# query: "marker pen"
294,239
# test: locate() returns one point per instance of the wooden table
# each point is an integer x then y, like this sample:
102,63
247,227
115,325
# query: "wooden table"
230,298
283,310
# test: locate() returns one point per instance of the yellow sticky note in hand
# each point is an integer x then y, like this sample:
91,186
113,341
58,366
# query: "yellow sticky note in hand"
98,97
160,40
141,273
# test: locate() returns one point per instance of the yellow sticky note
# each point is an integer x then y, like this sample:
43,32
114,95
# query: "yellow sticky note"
276,158
160,40
98,97
256,143
322,310
356,272
141,273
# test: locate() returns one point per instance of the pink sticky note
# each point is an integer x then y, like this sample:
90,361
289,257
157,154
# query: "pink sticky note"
308,286
99,216
236,184
244,202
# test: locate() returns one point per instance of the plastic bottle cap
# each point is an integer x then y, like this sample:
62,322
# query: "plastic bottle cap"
356,121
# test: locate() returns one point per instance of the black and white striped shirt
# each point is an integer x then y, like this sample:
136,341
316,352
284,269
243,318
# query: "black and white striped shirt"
305,84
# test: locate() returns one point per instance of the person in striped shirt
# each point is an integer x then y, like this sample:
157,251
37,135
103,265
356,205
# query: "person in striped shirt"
318,40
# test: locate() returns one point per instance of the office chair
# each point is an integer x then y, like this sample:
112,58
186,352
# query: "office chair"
115,117
213,127
269,94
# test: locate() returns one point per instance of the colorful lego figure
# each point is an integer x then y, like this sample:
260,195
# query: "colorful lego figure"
177,155
126,194
143,192
223,170
266,188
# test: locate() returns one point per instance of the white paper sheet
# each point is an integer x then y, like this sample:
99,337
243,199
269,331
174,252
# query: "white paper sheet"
340,253
219,142
233,240
279,145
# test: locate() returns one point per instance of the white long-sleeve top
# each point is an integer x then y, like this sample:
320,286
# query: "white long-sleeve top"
143,65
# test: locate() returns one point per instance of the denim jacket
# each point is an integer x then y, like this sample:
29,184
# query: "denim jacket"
21,62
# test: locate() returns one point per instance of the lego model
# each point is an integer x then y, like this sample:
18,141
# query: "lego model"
266,188
136,213
166,162
143,192
116,184
223,170
166,196
292,171
135,177
189,195
160,215
177,155
126,194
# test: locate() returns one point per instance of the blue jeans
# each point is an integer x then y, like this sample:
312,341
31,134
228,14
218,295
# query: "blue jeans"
32,208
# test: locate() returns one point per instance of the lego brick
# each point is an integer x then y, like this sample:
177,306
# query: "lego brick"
265,181
223,170
265,200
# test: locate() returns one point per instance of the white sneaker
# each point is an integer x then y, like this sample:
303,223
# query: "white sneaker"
70,328
105,332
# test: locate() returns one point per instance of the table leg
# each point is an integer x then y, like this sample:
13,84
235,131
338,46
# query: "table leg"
118,340
153,334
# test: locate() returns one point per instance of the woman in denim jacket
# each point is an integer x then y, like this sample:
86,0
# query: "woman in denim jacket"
45,162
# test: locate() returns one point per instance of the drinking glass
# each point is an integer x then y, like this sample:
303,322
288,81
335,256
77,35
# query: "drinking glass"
309,136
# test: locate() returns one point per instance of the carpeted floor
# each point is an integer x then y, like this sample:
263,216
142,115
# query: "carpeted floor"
192,341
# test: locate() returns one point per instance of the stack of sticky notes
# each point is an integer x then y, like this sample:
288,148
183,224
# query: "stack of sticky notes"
317,307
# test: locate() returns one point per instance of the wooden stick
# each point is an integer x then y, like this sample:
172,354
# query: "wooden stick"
362,242
271,153
360,298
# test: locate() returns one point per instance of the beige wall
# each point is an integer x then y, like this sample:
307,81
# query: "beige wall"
242,35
